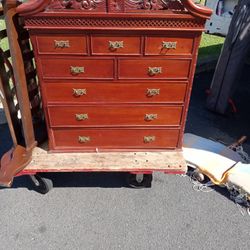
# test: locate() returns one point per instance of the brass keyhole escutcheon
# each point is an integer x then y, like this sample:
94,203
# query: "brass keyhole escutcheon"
79,92
82,117
152,71
75,70
61,44
150,117
83,139
148,139
152,92
169,45
113,45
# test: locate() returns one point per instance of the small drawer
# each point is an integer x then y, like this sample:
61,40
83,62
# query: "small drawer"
154,69
106,115
61,44
94,139
169,45
115,45
77,68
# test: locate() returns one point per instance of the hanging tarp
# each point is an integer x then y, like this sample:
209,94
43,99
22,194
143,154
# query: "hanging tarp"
232,58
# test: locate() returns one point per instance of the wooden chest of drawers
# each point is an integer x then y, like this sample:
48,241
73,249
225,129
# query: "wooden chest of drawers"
115,74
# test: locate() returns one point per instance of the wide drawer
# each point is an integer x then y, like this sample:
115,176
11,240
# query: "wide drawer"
61,44
170,92
62,68
115,45
168,45
107,115
154,68
84,139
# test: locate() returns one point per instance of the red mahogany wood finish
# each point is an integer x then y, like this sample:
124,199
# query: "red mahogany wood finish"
115,116
115,75
114,52
108,139
106,92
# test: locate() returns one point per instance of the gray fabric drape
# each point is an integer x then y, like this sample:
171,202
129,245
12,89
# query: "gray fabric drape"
231,60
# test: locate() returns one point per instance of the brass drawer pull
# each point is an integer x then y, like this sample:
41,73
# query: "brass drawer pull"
152,92
82,117
115,44
154,71
76,70
79,92
61,44
169,45
148,139
83,139
150,117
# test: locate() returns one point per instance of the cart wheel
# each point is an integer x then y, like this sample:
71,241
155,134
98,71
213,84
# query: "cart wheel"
198,176
42,185
139,180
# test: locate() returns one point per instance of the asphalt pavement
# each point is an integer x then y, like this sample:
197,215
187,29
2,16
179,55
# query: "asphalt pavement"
97,211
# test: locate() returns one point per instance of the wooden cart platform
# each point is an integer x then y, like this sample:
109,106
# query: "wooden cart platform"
167,162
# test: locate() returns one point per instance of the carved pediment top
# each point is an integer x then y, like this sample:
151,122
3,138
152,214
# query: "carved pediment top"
36,6
154,4
76,4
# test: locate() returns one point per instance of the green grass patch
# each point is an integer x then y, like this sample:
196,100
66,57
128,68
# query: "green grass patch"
3,42
210,46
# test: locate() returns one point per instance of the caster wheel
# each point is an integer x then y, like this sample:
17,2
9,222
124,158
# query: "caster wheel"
198,176
42,185
139,180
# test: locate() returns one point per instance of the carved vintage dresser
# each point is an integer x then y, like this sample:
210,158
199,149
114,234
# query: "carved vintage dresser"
115,75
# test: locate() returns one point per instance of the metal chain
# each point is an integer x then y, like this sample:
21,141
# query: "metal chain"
240,151
241,200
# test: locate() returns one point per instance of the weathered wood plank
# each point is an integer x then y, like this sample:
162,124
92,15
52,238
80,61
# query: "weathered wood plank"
167,161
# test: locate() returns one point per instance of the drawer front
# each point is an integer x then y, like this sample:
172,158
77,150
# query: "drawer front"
61,68
116,138
115,45
61,44
154,69
115,92
168,45
115,116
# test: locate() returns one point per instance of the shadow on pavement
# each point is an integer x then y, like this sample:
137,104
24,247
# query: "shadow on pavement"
76,180
227,128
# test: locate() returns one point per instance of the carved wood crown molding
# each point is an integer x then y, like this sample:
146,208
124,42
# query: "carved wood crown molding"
147,5
76,4
33,7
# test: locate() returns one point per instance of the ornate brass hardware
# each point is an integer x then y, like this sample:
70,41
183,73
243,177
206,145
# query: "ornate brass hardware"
83,139
154,71
153,92
61,44
115,44
169,45
82,117
79,92
76,70
148,139
150,117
